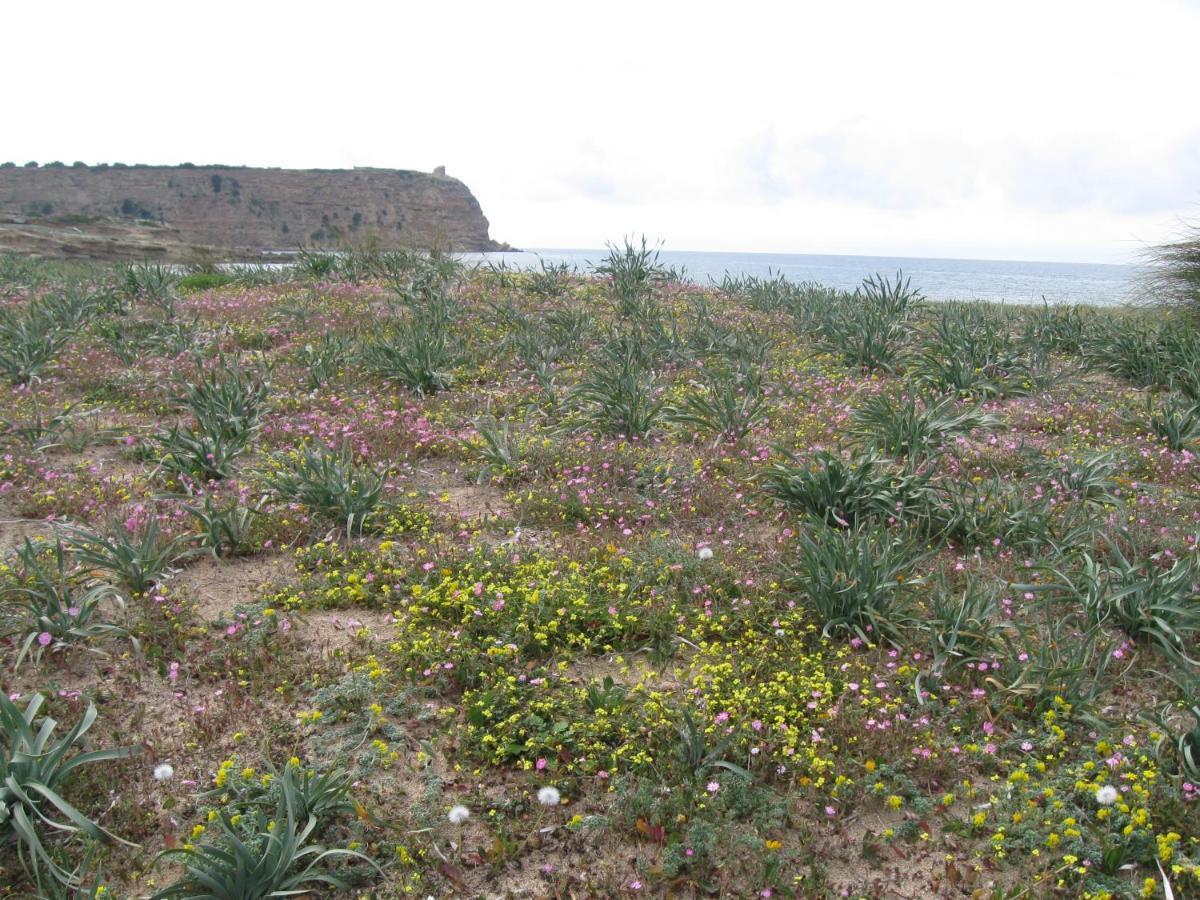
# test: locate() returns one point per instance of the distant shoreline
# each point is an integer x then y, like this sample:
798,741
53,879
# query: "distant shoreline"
1009,281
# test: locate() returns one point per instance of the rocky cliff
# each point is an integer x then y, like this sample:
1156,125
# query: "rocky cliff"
251,210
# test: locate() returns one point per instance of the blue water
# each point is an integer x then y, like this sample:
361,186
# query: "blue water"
939,279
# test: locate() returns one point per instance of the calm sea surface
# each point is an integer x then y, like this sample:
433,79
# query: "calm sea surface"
939,279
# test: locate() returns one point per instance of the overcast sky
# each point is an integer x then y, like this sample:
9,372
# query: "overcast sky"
1044,130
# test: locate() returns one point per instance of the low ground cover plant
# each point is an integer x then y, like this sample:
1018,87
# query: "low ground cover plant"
411,579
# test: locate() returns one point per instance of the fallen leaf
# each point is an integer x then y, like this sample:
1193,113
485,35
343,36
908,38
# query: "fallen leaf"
453,874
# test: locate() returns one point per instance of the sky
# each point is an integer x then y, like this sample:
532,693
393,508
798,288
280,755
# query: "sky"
1050,130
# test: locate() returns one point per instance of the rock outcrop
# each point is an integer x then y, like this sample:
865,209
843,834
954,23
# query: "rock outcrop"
249,211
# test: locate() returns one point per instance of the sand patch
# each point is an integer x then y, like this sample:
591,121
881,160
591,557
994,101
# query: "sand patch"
217,586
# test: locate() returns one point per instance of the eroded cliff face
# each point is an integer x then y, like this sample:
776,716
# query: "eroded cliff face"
243,209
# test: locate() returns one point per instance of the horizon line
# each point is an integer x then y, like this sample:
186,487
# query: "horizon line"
983,259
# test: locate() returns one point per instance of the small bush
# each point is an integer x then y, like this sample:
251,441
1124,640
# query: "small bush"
634,270
140,558
30,339
196,282
418,355
1175,421
1147,601
906,426
621,397
855,582
225,530
726,410
962,626
844,493
34,769
329,484
869,328
263,854
58,607
326,359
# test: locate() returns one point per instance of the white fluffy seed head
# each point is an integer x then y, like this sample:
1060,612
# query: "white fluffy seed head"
164,772
458,814
705,553
548,796
1106,795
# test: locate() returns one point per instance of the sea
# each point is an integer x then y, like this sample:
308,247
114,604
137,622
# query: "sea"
1008,281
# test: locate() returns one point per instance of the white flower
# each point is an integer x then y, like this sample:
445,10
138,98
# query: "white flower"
164,772
548,796
458,814
1106,795
704,553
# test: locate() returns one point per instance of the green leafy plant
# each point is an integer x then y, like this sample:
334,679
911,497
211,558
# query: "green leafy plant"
42,432
727,409
980,512
200,453
225,530
962,626
549,279
1056,656
1179,743
497,448
325,359
174,338
56,610
1148,602
323,794
568,328
154,285
30,340
34,770
418,354
697,756
621,397
265,854
1175,422
1089,479
841,492
908,426
969,351
140,558
634,270
1172,272
74,304
315,264
1134,352
869,328
228,401
855,582
329,484
1060,328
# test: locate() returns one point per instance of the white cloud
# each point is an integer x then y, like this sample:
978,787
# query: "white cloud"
1021,129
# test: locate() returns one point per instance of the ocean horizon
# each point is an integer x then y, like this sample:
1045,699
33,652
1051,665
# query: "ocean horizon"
1009,281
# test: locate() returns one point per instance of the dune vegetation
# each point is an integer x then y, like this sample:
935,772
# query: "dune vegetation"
379,576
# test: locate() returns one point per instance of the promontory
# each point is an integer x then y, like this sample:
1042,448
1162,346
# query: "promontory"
161,211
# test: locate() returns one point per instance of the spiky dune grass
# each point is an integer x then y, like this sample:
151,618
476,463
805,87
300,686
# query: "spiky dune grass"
782,591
